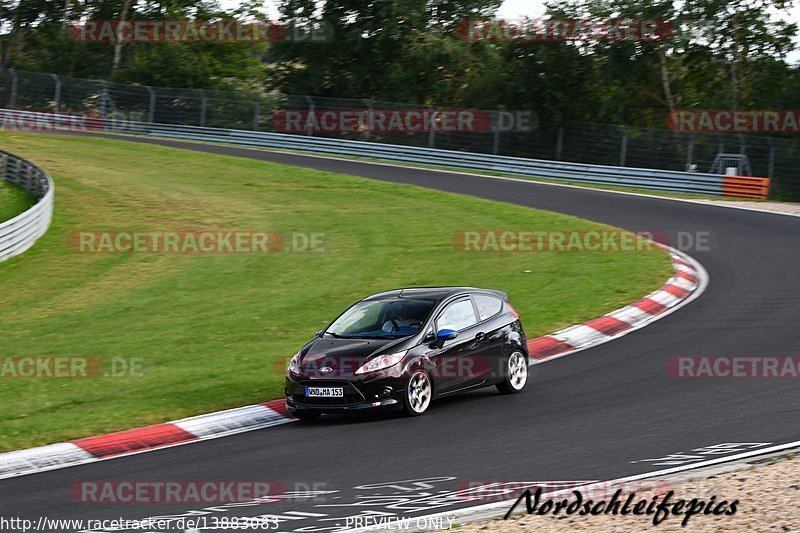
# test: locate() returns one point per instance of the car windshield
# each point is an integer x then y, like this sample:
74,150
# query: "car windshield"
391,318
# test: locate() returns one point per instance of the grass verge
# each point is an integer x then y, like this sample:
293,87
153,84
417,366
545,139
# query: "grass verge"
13,200
211,329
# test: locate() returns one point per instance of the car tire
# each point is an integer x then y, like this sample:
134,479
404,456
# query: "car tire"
307,417
515,374
419,393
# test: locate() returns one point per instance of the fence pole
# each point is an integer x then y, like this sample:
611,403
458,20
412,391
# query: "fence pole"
256,112
104,100
496,139
12,103
689,155
432,131
310,112
203,108
623,149
559,142
370,118
151,111
57,92
771,168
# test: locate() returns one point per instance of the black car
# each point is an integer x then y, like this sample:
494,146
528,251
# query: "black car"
404,348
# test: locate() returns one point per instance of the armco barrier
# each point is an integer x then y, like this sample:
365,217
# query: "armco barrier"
22,231
746,187
664,180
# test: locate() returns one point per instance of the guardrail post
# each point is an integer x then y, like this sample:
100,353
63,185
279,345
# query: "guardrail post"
57,92
623,149
496,139
12,102
689,155
559,142
151,111
203,108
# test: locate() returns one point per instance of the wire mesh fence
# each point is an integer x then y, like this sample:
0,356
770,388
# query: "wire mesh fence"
480,131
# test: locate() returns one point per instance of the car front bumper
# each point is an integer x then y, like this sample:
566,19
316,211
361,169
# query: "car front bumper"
358,394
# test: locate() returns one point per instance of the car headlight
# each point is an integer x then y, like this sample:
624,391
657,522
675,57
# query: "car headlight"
294,364
381,362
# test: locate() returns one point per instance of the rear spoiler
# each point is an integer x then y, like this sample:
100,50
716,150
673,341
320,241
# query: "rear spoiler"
500,294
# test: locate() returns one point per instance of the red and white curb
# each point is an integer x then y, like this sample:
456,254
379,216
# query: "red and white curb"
143,439
688,282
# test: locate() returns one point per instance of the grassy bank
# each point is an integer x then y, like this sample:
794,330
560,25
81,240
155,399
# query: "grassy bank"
13,200
211,329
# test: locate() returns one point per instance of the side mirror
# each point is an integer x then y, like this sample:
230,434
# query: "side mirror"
444,335
318,334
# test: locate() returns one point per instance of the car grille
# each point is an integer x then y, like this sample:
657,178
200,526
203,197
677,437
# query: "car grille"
351,394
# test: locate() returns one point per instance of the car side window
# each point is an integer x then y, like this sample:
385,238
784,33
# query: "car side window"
488,306
458,315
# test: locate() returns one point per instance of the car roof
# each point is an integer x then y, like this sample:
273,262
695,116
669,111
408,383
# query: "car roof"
436,294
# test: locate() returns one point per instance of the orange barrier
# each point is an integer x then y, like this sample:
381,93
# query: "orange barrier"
745,187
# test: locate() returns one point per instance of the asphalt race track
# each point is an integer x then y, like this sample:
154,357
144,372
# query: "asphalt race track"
604,413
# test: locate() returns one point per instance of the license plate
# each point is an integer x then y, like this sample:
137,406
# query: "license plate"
325,392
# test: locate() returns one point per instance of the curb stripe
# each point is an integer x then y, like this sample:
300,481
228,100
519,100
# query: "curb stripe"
545,347
134,439
608,325
677,291
42,458
231,421
279,406
580,336
650,306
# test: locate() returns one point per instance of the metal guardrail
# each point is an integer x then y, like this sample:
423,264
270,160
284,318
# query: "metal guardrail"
663,180
22,231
